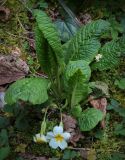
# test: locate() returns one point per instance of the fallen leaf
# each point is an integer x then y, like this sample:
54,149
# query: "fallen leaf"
11,69
16,52
84,152
4,14
70,125
32,43
100,104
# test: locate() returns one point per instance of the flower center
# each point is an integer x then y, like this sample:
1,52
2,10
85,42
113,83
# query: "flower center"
59,137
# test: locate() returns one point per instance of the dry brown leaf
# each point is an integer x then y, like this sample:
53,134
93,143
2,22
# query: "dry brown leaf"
100,104
32,43
2,89
70,125
4,14
11,69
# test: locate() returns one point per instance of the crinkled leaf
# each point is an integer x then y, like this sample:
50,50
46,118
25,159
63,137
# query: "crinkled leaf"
49,32
89,119
87,50
76,111
80,68
33,90
86,44
45,53
77,75
110,52
116,27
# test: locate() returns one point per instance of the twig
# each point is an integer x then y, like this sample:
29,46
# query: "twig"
3,2
21,25
19,36
84,149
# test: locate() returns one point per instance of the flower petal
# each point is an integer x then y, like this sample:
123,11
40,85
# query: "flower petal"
58,130
63,144
49,135
53,143
38,135
39,138
66,135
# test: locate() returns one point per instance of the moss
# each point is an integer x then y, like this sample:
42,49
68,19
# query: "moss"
12,31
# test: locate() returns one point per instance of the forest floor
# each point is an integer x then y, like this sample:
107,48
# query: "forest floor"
17,38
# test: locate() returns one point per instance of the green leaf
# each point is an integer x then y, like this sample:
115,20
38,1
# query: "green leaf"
42,4
79,68
41,46
13,109
118,156
76,111
22,122
45,54
120,111
85,44
3,137
66,28
68,154
113,104
4,122
33,90
116,27
49,32
89,119
110,52
119,129
87,50
4,152
120,83
77,74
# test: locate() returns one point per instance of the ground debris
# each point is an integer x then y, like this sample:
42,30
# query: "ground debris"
31,157
89,154
12,68
70,125
85,18
4,14
101,104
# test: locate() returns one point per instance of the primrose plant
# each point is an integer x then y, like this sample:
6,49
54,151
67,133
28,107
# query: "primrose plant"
68,67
